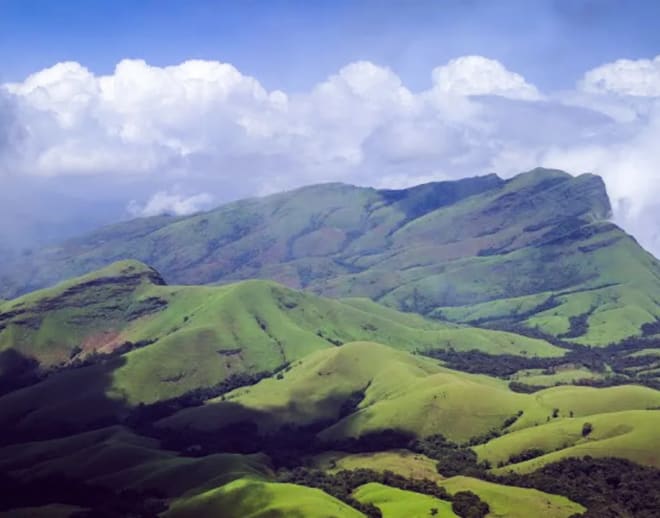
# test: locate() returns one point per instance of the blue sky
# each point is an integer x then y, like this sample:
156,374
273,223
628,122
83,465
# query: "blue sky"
123,108
292,45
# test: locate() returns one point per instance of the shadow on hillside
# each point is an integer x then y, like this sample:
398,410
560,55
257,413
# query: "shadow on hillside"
63,403
17,370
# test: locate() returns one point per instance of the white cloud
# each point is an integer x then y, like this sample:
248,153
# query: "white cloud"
213,129
625,77
163,202
476,75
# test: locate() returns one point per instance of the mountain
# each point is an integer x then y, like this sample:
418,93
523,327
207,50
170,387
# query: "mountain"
520,379
536,251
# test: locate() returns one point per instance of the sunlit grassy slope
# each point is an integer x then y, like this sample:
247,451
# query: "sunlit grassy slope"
247,498
397,503
402,462
632,434
514,502
535,250
403,392
538,378
184,337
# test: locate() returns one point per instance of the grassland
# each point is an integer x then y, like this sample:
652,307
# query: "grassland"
564,376
397,503
626,434
180,338
403,392
536,250
514,502
402,462
247,498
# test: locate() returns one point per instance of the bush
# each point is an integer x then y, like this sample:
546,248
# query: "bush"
468,505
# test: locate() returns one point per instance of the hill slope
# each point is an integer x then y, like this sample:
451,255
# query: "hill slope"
535,250
136,340
407,393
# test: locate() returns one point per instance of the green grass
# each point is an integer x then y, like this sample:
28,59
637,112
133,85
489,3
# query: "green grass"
397,503
480,248
647,352
401,391
202,335
514,502
246,498
537,377
630,434
402,462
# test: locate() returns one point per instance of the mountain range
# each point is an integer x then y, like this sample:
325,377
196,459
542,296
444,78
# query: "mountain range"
483,347
536,251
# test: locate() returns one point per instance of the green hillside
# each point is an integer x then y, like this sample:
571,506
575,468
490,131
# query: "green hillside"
257,499
400,391
338,351
536,250
625,434
397,503
134,339
514,502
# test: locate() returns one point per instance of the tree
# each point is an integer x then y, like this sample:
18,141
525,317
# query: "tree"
468,505
587,428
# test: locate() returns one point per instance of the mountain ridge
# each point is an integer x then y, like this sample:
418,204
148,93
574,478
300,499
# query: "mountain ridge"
513,249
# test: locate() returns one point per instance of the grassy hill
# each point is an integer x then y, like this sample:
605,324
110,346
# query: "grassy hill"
536,250
514,502
396,390
257,499
398,503
132,339
625,434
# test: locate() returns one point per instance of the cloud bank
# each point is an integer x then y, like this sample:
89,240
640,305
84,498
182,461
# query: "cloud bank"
221,134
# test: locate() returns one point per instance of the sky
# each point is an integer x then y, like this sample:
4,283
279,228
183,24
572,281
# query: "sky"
117,109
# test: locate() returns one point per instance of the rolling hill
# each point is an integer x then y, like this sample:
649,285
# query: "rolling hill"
536,250
415,395
129,338
316,345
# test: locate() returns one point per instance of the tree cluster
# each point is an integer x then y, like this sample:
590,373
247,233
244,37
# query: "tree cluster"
607,487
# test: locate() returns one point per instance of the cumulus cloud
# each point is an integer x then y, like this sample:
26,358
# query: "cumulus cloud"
208,126
625,77
163,202
476,75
